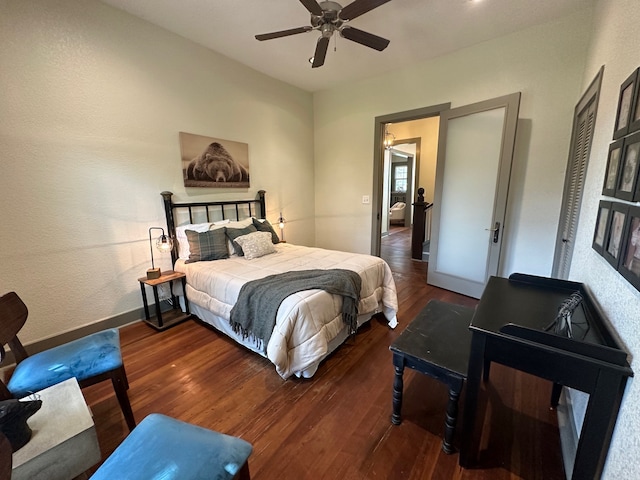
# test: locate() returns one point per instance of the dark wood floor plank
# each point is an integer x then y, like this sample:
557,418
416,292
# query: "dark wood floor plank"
335,425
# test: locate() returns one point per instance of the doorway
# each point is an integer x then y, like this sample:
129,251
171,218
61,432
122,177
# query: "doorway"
402,166
415,127
475,149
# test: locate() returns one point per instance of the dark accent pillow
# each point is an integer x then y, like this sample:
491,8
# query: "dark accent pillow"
266,227
13,420
209,245
233,233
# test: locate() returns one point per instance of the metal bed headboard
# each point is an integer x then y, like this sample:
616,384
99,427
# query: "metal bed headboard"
210,211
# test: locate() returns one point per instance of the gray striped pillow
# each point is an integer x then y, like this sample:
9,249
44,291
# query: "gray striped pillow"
209,245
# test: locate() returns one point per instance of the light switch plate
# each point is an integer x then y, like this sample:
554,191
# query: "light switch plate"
365,199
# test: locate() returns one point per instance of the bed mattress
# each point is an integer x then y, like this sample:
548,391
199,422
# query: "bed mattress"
309,323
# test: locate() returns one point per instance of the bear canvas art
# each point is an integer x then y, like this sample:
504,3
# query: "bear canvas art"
211,162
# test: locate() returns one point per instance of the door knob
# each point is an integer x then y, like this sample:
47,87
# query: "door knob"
496,232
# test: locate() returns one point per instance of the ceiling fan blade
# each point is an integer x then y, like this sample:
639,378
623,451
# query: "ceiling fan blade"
364,38
283,33
359,7
321,52
312,6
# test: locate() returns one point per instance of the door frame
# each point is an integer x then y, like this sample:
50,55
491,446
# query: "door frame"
378,162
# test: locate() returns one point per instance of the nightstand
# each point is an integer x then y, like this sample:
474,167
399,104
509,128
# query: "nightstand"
173,316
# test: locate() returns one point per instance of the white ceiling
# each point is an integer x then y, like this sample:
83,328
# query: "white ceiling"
418,30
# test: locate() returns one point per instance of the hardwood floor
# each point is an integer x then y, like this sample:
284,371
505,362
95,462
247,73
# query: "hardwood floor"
335,425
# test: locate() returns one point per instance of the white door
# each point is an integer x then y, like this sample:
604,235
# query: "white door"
475,151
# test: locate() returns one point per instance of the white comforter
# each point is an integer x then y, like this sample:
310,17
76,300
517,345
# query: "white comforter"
307,321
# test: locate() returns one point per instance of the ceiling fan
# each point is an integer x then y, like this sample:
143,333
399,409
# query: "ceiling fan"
328,17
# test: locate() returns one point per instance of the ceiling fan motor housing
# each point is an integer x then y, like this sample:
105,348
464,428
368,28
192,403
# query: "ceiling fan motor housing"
329,16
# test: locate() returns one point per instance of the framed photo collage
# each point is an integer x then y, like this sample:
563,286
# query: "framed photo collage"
617,232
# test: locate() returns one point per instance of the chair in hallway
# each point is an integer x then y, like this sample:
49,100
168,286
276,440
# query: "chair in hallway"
396,213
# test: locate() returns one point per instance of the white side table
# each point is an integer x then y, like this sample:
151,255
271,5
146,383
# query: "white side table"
64,443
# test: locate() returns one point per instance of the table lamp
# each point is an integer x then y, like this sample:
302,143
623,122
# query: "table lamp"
281,222
164,243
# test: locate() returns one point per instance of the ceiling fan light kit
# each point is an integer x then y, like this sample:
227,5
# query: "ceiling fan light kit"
328,17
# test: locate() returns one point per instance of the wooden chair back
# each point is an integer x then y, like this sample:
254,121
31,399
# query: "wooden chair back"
13,315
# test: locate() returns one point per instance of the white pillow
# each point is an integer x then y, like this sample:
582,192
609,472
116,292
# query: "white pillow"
181,237
240,224
256,244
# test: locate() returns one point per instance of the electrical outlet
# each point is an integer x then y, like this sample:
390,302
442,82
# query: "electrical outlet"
365,199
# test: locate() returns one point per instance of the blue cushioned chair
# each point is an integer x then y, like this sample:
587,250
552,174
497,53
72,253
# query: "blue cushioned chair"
166,448
91,359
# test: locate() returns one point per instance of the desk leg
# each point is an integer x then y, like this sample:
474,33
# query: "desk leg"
398,386
469,442
487,367
556,391
597,428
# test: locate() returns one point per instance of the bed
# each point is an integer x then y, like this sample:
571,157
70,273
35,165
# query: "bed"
309,324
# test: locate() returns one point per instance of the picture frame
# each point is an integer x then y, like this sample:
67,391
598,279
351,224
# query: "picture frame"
625,103
213,162
629,266
613,168
634,121
602,223
613,245
628,175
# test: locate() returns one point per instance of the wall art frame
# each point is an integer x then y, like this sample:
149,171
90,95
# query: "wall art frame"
625,104
213,162
629,266
634,119
613,168
612,251
602,223
628,175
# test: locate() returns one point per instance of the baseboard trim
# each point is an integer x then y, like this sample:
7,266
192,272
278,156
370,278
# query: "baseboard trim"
568,433
113,322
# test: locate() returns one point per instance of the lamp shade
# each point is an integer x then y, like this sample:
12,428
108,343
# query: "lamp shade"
164,243
281,222
389,138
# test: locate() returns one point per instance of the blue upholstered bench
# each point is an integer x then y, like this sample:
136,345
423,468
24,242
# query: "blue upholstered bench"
163,447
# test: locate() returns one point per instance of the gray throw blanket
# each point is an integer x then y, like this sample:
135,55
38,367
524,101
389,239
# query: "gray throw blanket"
254,314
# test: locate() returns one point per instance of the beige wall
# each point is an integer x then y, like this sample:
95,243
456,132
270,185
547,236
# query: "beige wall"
614,40
92,100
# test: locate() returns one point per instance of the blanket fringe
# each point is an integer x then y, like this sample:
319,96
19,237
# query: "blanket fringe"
246,334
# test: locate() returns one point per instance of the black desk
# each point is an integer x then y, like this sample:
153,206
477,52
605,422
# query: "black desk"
509,328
